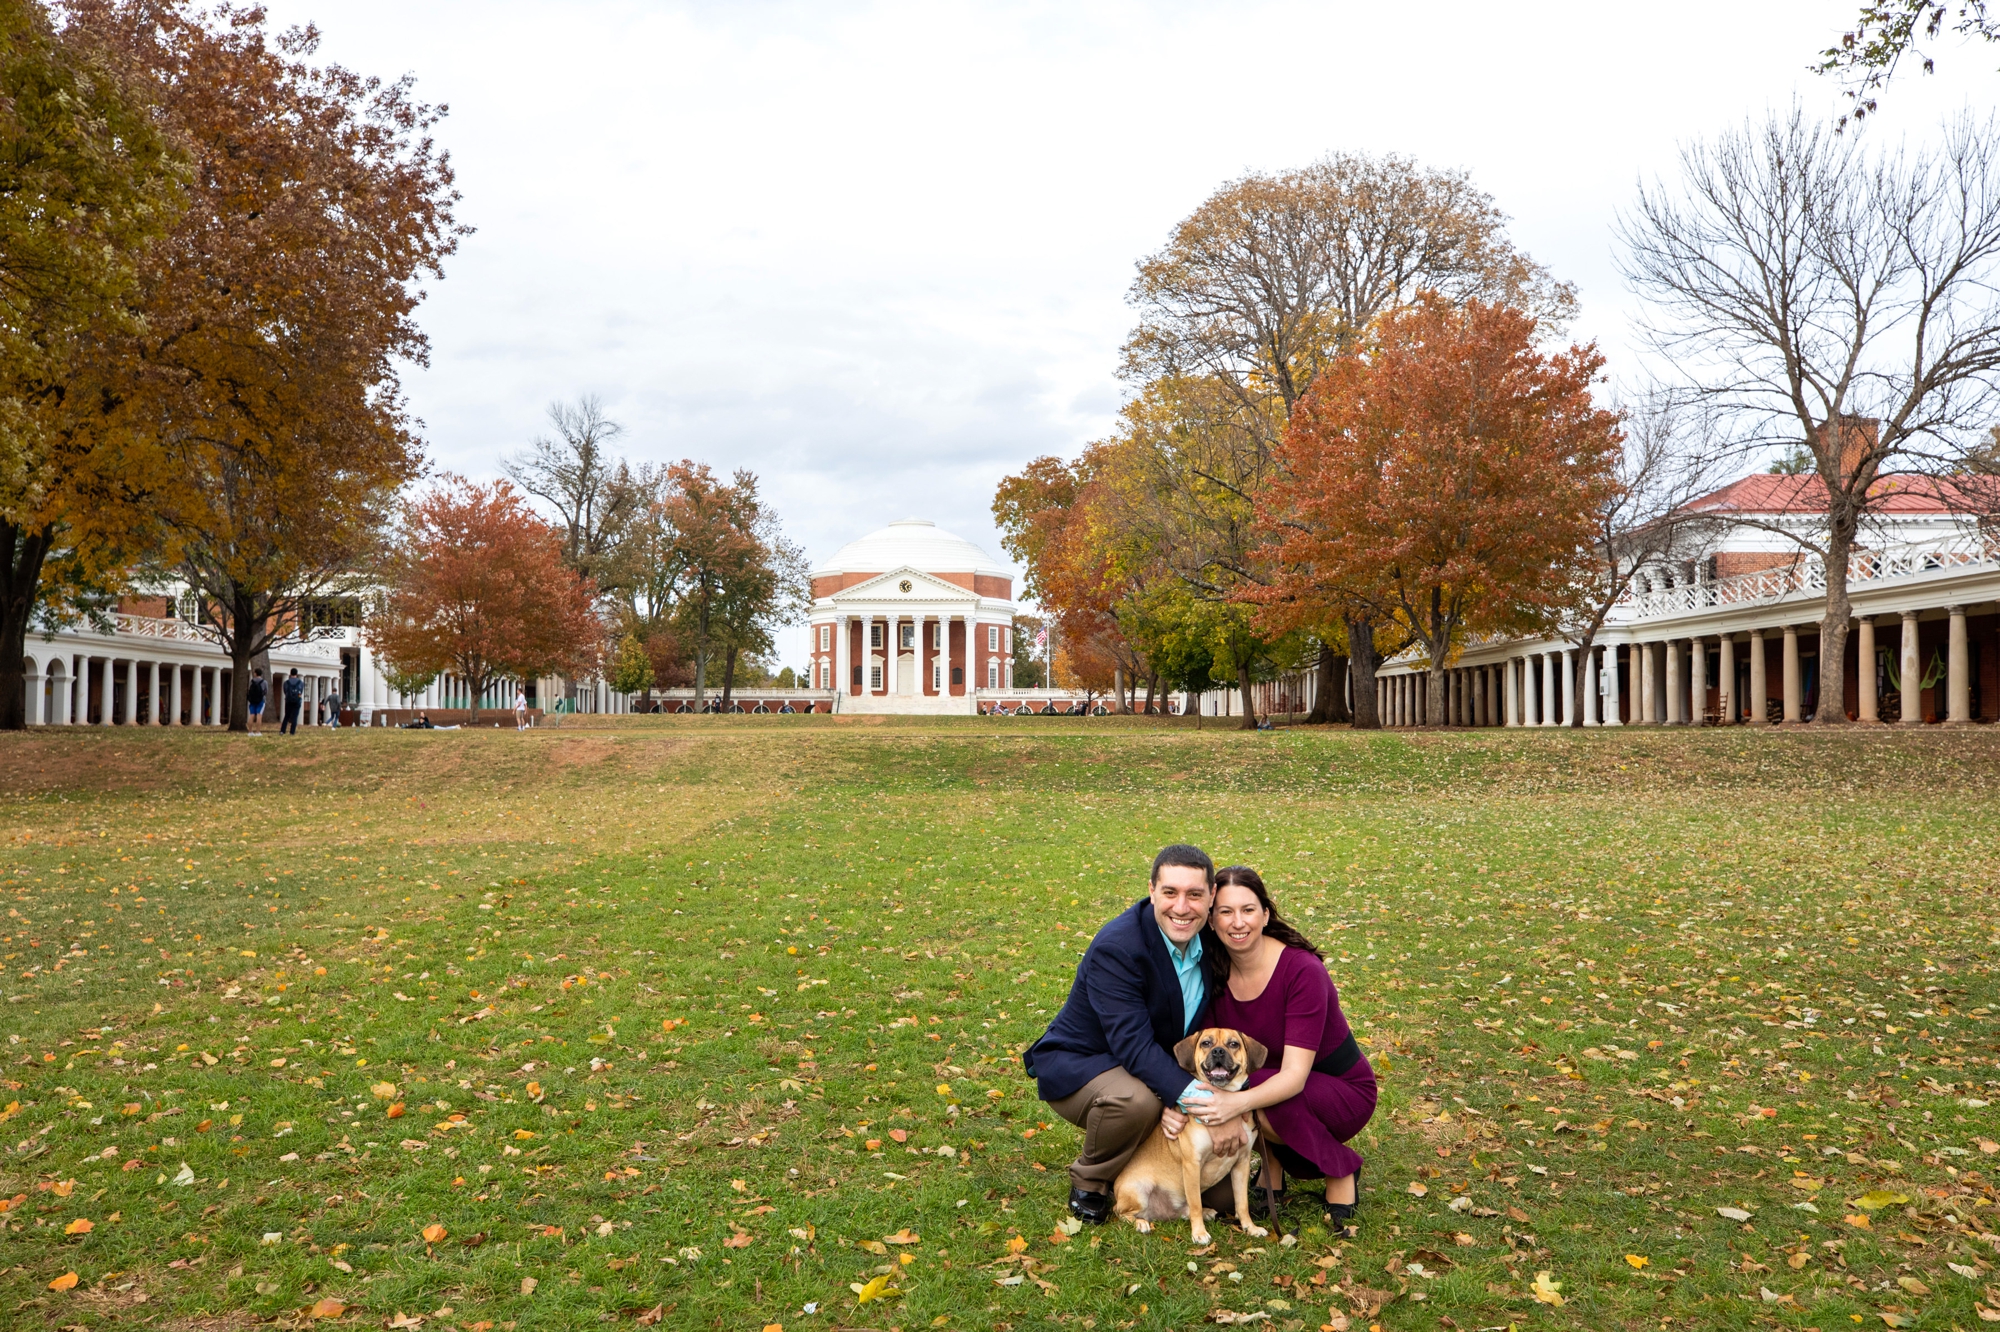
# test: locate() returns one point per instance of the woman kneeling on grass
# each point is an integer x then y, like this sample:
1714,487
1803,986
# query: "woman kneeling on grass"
1280,995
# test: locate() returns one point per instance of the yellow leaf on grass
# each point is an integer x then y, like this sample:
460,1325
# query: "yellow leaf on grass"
528,1285
1914,1286
873,1246
385,1090
1418,1189
1546,1291
878,1289
434,1232
1637,1260
522,1135
1016,1245
63,1282
1859,1220
83,1225
1876,1199
903,1236
327,1308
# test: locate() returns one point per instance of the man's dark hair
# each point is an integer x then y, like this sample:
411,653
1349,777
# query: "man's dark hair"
1181,855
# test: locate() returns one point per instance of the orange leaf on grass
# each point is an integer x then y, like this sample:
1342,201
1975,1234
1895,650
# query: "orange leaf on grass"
434,1232
903,1236
740,1240
83,1225
327,1308
396,1110
900,1135
63,1282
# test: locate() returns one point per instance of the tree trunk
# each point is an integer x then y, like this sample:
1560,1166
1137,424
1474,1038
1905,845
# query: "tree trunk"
728,674
1152,687
1437,682
1363,661
20,579
1249,703
1832,707
241,637
1329,702
700,671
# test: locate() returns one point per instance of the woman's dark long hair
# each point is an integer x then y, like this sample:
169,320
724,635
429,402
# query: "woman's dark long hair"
1275,927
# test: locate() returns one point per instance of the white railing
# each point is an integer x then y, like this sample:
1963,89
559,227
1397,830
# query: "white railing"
183,631
148,626
1807,577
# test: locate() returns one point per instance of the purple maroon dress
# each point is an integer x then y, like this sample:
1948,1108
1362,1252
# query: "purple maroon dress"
1301,1007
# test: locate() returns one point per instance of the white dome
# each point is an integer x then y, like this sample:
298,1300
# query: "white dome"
916,543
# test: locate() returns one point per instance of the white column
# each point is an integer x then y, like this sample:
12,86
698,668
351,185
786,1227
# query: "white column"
1760,690
1588,687
130,690
1728,678
32,696
1614,709
1870,709
1568,667
1698,681
892,653
104,693
1676,694
1510,715
1530,693
842,667
1958,669
1794,694
174,695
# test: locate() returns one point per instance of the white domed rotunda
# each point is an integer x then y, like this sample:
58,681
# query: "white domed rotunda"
911,619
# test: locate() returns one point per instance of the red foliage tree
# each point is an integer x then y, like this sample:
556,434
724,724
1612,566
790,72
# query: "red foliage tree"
479,588
1449,471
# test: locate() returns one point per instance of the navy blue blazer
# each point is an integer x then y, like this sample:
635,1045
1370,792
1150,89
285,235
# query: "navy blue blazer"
1124,1009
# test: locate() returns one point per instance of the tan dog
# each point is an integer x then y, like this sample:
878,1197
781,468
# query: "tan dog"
1165,1178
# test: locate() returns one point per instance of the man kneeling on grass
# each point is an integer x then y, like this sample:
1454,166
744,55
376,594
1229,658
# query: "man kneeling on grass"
1106,1064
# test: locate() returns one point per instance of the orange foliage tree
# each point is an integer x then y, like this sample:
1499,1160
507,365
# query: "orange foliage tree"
1046,516
478,587
1450,470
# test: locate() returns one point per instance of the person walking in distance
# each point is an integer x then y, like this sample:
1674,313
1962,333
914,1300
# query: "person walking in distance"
520,708
295,695
258,693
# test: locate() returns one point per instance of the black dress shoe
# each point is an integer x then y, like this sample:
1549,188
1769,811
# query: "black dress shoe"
1092,1207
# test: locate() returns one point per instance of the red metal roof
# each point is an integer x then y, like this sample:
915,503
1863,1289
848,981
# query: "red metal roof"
1771,494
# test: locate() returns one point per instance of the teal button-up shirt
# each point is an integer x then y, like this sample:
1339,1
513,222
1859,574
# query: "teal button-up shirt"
1187,970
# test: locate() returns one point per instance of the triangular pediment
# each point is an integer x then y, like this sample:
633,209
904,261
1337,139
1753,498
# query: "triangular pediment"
889,587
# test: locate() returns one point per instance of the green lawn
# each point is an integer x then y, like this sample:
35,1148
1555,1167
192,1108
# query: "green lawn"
691,1020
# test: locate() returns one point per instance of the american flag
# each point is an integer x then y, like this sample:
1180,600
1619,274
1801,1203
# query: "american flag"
1041,638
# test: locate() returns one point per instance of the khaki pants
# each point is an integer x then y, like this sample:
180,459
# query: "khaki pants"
1115,1111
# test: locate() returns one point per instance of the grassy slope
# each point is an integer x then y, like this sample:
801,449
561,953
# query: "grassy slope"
1588,964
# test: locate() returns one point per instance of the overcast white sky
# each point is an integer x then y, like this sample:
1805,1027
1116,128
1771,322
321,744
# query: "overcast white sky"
878,252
